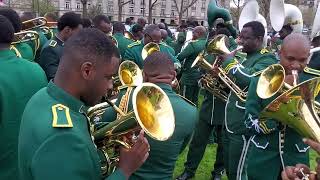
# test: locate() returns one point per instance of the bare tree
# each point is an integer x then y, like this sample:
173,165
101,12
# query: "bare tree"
121,3
152,4
264,9
183,6
235,12
94,10
84,8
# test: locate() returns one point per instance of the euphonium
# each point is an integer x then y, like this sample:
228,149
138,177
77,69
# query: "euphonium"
25,36
152,112
149,49
296,108
34,23
217,46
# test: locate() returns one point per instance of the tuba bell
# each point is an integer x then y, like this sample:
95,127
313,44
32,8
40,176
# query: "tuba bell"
282,14
152,112
149,49
34,23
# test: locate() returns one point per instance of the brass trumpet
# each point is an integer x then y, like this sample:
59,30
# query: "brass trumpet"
25,36
149,49
34,23
128,35
152,112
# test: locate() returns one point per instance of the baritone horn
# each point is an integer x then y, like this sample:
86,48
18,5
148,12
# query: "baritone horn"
152,112
34,23
218,46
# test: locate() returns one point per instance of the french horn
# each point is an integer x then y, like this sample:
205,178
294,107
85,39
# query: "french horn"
152,112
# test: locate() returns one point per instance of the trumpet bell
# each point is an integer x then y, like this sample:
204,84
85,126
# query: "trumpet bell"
218,45
149,49
201,62
296,108
271,81
154,111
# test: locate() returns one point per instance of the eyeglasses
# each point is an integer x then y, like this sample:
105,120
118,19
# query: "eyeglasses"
151,39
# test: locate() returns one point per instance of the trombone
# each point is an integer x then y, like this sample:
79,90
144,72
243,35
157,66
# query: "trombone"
25,36
34,23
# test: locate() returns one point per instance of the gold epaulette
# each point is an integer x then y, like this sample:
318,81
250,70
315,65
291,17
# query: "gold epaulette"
52,43
264,51
134,44
61,116
187,100
311,71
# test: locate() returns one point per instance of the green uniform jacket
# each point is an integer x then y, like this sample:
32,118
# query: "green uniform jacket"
50,57
24,51
274,146
178,44
134,50
315,61
54,140
19,80
241,75
191,76
163,155
122,43
37,46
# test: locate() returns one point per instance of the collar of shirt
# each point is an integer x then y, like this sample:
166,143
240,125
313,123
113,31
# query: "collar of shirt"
66,99
60,42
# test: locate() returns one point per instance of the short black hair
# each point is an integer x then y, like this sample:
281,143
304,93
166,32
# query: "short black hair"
69,19
90,43
158,63
97,20
13,17
7,30
220,25
86,23
224,31
150,28
136,28
118,27
257,28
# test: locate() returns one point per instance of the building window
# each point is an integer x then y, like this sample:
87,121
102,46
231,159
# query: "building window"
203,9
203,5
131,10
202,14
100,5
67,5
193,7
193,13
141,10
163,4
78,6
142,2
172,12
162,12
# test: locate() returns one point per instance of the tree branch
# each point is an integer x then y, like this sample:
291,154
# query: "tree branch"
176,5
192,3
153,4
124,3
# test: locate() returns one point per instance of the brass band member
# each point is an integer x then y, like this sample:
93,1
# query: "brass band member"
68,25
19,80
235,140
102,23
55,138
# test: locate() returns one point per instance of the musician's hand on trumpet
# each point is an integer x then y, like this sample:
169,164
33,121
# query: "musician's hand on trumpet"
300,171
131,159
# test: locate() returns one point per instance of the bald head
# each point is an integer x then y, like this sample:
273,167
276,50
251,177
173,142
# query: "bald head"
164,34
294,52
158,68
199,32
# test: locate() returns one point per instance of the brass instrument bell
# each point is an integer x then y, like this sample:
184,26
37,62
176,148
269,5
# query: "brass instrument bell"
218,45
149,49
296,108
128,35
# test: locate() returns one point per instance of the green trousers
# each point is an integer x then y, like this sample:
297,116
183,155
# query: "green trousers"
198,145
235,151
190,92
